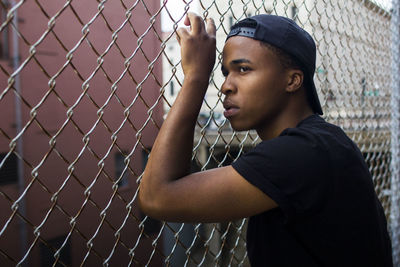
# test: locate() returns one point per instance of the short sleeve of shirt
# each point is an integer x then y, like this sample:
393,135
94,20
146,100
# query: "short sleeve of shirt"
291,169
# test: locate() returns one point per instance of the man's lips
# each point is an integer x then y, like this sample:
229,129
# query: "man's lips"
230,109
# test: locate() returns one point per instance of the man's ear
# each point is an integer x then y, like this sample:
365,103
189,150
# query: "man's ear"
295,80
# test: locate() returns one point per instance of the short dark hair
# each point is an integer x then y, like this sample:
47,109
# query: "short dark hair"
287,61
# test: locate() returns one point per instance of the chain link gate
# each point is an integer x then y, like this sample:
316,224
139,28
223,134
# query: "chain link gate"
84,88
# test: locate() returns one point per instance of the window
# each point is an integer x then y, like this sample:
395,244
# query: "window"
378,163
172,88
363,89
363,85
145,156
368,90
224,157
295,12
47,252
119,168
9,170
4,34
330,95
151,226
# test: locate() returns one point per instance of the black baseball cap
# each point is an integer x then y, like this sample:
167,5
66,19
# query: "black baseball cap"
286,35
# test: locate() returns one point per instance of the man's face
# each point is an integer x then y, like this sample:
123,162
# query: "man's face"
254,85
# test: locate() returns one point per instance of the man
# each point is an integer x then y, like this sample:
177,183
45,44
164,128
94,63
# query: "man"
305,187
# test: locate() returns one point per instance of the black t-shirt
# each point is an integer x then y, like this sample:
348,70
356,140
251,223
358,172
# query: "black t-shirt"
328,213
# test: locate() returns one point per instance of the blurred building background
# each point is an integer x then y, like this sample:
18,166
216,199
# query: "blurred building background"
84,89
353,77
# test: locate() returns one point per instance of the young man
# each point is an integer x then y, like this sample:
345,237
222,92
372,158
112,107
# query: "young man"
305,187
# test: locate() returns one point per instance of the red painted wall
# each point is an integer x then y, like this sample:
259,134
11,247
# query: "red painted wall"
69,91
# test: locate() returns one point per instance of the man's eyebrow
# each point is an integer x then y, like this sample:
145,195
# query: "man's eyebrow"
235,62
239,61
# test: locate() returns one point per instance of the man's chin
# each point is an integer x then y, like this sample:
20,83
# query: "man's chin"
239,128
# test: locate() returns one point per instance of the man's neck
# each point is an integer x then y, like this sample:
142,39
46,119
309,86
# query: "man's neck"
289,119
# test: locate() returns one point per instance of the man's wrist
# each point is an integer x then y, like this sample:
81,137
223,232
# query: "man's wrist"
198,79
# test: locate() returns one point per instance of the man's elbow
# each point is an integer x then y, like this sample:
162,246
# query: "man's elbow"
149,206
144,203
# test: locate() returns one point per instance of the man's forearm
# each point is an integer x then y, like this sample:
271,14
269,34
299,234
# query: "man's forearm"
172,150
171,154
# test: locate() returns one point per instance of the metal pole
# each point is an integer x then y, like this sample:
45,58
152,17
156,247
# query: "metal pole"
395,131
18,121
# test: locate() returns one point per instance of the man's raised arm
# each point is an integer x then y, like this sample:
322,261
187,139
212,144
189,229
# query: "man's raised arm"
168,191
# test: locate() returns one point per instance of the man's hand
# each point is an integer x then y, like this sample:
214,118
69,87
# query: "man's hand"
198,47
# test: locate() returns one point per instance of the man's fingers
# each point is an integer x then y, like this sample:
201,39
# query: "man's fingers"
181,33
186,21
211,29
196,23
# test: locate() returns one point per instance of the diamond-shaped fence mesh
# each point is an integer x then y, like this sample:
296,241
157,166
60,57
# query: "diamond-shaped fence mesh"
84,89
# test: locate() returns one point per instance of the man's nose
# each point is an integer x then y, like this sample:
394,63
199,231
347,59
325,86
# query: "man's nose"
228,86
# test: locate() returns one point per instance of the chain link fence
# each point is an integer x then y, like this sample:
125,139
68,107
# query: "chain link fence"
85,86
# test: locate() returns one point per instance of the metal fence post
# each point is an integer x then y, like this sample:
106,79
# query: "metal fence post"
395,146
18,122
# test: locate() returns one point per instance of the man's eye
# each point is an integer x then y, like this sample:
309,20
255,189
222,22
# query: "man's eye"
244,69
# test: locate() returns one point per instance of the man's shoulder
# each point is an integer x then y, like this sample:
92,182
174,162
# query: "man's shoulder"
308,134
313,141
314,124
319,133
